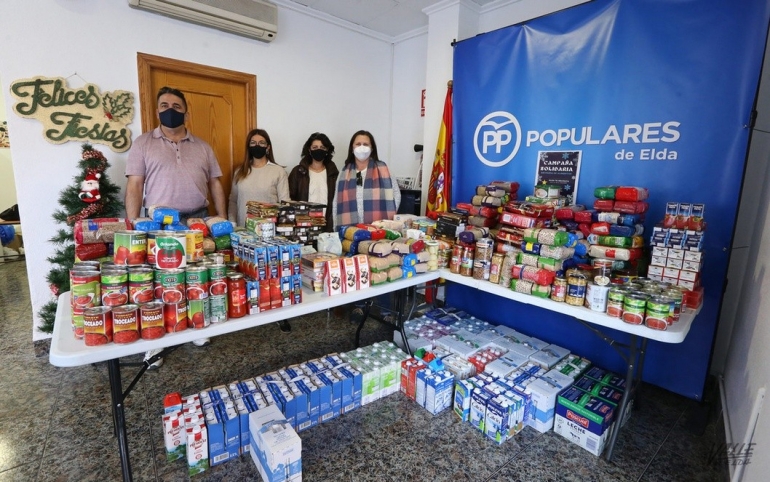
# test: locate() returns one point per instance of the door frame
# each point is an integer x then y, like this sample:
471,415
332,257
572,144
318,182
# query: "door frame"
146,63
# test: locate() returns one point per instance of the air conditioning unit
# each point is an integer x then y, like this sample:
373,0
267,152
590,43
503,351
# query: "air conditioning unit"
251,18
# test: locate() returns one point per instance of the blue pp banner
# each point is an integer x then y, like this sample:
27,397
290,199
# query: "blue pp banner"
650,93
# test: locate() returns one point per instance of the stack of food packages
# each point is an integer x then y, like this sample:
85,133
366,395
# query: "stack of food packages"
504,380
584,257
162,280
94,237
301,221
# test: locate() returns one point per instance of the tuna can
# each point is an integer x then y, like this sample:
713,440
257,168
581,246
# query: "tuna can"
114,287
634,308
130,247
151,320
657,312
140,285
97,325
125,323
596,297
615,299
559,289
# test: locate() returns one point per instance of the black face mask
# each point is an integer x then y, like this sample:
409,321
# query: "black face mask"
257,152
171,118
318,154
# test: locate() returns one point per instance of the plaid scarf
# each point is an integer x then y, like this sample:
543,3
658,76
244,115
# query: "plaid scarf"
378,194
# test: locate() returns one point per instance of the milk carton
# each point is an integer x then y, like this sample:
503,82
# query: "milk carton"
600,390
335,385
438,394
478,409
302,414
543,393
174,436
197,449
583,419
549,356
324,399
312,400
421,385
276,449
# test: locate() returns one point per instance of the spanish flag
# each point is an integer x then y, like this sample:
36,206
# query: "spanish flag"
441,174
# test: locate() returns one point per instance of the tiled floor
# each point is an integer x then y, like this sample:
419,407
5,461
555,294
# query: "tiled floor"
55,423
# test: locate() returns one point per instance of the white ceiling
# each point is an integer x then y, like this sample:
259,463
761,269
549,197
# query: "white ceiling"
389,17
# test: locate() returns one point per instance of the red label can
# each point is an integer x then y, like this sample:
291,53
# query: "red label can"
151,320
85,292
125,323
173,284
97,325
175,316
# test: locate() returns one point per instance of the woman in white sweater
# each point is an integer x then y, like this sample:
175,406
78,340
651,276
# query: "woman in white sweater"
259,178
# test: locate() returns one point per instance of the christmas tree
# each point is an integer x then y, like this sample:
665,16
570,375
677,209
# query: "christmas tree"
91,195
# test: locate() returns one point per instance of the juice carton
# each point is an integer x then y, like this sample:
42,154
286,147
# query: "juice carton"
276,298
197,449
462,398
252,296
174,436
276,449
296,289
371,381
287,291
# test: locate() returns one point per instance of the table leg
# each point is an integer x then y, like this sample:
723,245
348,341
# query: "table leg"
119,417
624,402
366,307
402,298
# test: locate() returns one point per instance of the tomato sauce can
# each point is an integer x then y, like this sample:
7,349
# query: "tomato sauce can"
217,279
114,287
175,316
657,312
151,245
130,247
125,323
197,280
236,290
85,292
227,255
140,285
170,250
173,284
634,308
97,325
615,299
151,320
194,245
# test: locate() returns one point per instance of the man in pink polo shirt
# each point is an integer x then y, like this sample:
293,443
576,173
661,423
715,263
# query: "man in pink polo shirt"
170,167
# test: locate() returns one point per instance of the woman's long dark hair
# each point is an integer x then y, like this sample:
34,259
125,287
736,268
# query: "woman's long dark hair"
245,168
351,157
317,136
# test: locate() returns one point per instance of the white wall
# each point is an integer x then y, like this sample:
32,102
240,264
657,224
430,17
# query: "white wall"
409,70
314,77
7,185
741,348
499,15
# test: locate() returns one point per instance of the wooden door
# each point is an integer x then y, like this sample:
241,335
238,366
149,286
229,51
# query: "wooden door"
222,106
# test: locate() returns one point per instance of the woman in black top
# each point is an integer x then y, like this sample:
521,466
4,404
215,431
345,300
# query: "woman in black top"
315,177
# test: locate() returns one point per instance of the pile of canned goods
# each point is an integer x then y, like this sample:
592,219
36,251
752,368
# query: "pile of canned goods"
122,304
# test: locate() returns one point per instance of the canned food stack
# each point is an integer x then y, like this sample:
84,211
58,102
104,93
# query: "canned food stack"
94,238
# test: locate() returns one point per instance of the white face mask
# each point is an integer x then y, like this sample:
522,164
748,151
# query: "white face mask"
362,152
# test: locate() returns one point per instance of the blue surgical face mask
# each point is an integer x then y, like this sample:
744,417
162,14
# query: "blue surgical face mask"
171,118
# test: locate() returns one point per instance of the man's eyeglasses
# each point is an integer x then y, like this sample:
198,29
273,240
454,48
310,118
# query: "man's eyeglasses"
359,179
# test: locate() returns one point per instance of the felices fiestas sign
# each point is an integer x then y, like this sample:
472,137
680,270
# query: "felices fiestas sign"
82,114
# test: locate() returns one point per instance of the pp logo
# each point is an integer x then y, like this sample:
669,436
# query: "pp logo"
497,138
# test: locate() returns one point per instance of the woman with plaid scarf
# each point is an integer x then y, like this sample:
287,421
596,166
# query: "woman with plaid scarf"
366,190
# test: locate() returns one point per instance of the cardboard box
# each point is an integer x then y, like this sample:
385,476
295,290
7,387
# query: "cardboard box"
584,420
276,449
